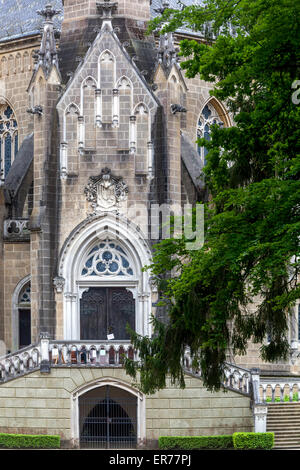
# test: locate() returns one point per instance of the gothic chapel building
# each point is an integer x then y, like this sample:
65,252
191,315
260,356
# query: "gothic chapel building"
98,124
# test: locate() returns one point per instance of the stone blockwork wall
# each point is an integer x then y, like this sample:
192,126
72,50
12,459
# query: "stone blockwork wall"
111,145
42,404
78,8
138,9
194,411
16,68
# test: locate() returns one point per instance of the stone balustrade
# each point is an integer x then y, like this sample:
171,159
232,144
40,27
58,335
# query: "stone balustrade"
22,362
279,390
49,354
96,353
236,378
16,229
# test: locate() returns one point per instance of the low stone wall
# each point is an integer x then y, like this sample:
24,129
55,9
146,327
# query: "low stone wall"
44,404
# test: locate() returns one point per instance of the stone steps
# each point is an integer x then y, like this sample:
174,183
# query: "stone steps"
284,420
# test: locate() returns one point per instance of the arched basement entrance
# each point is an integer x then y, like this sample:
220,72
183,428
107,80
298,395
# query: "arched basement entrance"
108,418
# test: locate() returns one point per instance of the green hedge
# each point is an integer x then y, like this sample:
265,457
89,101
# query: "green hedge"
23,441
196,442
253,440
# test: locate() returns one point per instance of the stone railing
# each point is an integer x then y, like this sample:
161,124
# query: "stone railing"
236,378
49,354
16,229
91,353
279,389
22,362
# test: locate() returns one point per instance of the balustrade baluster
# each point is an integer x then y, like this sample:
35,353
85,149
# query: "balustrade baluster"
264,389
273,392
93,355
247,389
281,392
291,392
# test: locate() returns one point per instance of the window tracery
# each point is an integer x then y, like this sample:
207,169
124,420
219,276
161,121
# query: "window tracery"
8,139
25,295
107,259
208,117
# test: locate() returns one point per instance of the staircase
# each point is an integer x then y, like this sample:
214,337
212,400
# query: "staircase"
284,420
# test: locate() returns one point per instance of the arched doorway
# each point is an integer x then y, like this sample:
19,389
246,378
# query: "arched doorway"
24,306
108,418
21,315
104,284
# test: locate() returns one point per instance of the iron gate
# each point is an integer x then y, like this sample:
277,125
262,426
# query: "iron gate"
108,421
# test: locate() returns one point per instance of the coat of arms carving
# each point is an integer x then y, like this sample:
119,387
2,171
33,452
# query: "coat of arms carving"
106,192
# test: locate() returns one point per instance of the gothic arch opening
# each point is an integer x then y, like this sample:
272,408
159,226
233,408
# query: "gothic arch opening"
211,114
9,138
21,315
105,288
108,418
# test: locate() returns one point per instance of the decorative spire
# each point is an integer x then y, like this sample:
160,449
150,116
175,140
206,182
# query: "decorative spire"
47,55
167,53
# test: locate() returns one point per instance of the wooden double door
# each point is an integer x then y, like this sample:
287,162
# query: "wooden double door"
106,311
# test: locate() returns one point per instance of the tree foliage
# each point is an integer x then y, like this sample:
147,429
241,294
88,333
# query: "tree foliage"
242,284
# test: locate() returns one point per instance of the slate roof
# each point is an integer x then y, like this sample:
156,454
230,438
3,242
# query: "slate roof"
19,168
174,4
19,18
192,161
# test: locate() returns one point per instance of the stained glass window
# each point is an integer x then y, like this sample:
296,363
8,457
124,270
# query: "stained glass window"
107,259
9,142
25,295
208,117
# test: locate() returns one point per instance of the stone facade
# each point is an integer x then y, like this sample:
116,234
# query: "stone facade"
40,404
107,126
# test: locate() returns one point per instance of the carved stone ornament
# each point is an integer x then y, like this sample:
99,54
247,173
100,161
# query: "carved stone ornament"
106,192
59,283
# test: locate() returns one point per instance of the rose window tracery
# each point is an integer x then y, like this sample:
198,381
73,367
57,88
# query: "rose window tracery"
107,259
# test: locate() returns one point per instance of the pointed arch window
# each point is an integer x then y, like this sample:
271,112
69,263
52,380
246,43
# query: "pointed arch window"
9,139
208,117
